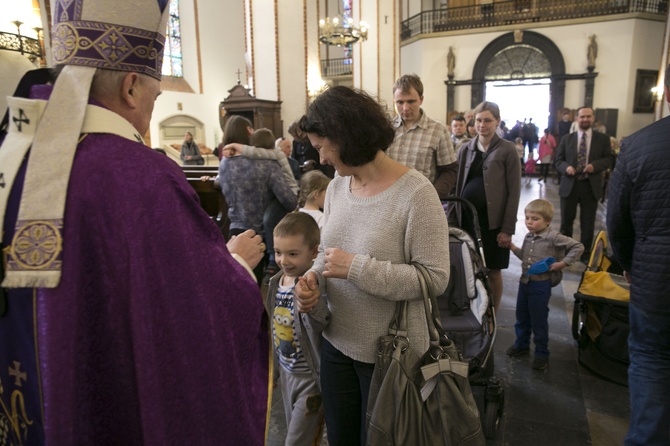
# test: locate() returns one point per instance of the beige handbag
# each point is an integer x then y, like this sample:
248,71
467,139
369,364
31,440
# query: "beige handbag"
421,399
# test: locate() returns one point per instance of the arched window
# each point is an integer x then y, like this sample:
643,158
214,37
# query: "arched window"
172,59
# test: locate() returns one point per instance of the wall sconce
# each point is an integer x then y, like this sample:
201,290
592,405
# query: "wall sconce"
22,44
657,91
315,88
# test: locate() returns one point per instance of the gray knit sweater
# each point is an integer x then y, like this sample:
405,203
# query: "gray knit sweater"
387,232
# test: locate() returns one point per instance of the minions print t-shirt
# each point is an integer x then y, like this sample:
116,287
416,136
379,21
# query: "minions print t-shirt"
284,333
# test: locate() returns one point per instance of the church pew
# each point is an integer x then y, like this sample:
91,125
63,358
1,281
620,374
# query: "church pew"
196,167
190,173
212,201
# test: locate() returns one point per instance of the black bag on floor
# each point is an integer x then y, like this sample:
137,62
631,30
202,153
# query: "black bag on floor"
600,317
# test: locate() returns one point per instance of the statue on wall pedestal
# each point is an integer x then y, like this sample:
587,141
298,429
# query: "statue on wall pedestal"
592,53
451,62
518,36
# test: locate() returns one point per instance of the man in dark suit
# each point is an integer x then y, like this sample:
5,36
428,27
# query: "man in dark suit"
581,158
564,125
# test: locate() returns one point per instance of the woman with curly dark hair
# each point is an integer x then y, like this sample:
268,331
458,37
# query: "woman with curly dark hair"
381,218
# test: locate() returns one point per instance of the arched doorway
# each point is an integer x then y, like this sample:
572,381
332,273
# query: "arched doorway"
521,56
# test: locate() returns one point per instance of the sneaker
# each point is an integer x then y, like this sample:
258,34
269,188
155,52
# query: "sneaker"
513,351
540,363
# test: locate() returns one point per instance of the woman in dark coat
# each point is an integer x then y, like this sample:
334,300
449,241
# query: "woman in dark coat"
190,152
489,176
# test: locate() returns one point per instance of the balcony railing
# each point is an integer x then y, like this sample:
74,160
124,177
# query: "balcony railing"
337,67
501,13
22,44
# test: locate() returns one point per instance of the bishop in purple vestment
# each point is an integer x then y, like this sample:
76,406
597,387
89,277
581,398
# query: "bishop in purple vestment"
124,319
155,334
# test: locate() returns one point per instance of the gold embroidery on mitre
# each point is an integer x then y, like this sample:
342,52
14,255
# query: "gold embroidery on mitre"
65,4
65,42
113,46
37,245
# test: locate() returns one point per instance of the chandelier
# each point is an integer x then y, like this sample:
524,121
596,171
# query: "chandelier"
341,32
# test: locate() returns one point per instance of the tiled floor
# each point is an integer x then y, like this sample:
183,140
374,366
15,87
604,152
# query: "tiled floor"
562,405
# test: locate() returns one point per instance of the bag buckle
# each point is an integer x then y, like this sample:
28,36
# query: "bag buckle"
441,355
405,341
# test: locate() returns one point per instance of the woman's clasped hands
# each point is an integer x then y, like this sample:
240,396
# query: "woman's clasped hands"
337,263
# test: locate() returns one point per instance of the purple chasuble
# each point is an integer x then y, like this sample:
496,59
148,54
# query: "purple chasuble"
155,334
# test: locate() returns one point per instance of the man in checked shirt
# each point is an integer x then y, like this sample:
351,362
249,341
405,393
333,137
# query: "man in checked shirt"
420,142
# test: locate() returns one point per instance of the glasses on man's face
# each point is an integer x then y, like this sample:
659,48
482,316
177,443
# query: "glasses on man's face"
484,121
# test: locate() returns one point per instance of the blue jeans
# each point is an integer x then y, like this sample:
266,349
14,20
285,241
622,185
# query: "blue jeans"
532,316
345,385
649,378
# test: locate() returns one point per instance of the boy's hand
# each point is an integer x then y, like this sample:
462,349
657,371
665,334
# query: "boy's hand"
307,292
511,246
557,266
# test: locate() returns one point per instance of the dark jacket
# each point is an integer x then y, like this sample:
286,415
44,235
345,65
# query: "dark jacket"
638,214
600,156
502,180
190,148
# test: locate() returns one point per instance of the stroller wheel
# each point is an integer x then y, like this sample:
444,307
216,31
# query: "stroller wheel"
491,419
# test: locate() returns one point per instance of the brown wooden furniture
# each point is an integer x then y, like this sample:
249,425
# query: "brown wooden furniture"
211,198
262,113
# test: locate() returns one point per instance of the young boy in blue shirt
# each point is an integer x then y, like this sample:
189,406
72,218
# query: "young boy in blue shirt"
296,331
541,246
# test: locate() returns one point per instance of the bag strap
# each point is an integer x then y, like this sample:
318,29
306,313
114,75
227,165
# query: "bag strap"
398,325
435,330
441,347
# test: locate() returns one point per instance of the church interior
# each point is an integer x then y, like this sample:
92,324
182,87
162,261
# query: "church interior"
273,50
267,59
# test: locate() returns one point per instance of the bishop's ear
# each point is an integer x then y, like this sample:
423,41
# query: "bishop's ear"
130,89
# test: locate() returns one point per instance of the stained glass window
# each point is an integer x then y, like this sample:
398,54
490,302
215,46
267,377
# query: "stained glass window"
346,5
172,60
348,15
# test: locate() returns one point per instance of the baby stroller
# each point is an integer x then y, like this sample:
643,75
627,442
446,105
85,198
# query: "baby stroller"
600,316
467,315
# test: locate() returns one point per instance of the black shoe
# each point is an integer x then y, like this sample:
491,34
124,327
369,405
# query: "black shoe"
513,351
540,363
